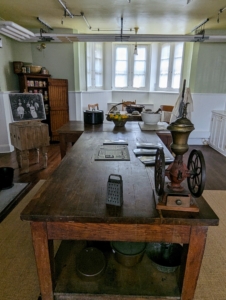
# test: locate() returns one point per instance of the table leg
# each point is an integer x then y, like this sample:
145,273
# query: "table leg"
45,156
195,253
37,157
63,145
18,157
24,161
43,249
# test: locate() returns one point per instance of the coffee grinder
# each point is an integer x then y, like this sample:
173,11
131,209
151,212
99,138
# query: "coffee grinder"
175,195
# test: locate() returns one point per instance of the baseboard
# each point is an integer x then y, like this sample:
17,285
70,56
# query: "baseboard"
7,148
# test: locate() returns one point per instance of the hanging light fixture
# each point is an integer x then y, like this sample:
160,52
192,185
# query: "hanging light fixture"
219,12
135,48
15,31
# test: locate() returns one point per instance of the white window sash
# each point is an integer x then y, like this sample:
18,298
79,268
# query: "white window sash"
129,72
94,60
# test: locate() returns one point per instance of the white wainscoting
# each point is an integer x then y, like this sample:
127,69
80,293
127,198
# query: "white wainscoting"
78,102
5,119
201,116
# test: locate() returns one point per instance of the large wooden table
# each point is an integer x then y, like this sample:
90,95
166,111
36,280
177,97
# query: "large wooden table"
71,207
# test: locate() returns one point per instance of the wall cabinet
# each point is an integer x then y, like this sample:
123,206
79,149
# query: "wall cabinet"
218,131
55,96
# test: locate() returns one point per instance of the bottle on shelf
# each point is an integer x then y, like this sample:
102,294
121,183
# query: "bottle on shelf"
45,96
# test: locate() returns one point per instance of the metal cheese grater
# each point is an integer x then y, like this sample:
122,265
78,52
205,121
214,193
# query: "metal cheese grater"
114,190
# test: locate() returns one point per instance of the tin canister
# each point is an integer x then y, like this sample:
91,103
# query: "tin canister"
17,65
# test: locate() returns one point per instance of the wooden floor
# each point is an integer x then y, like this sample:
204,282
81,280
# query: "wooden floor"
215,166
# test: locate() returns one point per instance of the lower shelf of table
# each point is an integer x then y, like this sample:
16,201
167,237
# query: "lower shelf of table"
142,281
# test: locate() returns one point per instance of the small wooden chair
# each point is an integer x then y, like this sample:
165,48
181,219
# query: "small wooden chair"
126,103
92,106
166,112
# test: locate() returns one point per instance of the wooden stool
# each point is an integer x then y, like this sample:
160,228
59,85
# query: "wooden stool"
93,106
166,112
27,135
126,103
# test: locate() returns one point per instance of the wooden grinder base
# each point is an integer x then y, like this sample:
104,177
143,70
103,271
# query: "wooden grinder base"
168,201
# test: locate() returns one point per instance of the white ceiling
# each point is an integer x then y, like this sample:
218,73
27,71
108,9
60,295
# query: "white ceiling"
151,16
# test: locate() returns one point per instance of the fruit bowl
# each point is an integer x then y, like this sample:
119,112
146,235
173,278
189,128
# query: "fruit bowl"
118,119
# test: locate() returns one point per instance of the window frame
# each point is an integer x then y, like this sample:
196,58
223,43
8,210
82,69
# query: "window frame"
130,70
169,87
93,60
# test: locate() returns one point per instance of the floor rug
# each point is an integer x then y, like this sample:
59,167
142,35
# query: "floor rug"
18,275
10,197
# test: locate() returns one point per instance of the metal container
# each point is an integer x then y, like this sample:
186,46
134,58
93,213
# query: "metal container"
17,65
90,264
93,116
6,178
166,257
133,107
128,254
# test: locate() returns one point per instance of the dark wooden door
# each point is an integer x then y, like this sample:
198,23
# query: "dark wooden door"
58,105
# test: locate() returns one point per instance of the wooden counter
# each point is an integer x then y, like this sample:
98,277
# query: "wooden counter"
70,206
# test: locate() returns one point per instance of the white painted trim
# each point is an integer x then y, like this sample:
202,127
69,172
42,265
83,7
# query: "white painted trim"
5,119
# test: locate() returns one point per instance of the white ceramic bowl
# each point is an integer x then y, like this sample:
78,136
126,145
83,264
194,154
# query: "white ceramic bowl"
150,118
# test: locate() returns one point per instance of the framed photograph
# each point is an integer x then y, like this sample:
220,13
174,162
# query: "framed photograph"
27,106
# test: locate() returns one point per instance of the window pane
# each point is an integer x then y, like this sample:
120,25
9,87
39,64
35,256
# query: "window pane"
121,81
177,63
165,53
139,67
94,59
89,83
178,50
99,80
121,53
141,54
98,50
138,81
176,81
164,67
121,67
98,66
163,81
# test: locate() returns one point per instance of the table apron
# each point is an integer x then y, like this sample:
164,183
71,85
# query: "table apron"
119,232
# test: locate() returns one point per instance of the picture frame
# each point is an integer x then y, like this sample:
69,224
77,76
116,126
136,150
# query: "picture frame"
27,106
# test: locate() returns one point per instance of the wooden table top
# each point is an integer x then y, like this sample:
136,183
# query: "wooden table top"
77,190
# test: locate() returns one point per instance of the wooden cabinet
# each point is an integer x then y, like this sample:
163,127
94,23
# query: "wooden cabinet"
166,138
55,96
218,131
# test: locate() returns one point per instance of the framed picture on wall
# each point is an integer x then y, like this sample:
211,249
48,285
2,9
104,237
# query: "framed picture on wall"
27,106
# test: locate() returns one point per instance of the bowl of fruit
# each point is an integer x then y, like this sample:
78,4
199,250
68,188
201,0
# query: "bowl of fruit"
118,118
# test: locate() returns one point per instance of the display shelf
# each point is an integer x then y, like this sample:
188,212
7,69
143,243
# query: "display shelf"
55,96
142,280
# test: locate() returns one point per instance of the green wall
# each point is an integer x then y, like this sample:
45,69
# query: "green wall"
12,51
58,59
208,72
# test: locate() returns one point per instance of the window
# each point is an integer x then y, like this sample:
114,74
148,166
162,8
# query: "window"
94,62
130,71
170,65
